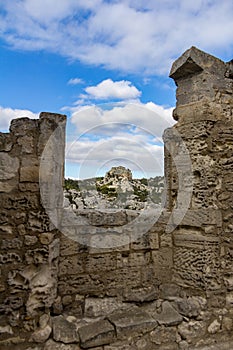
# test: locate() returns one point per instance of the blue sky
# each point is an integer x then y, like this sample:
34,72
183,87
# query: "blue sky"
105,64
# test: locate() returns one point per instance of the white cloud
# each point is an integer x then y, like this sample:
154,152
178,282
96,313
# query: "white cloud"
108,117
75,81
7,114
127,35
127,150
107,89
127,134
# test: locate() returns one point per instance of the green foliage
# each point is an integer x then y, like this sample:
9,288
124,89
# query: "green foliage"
104,189
71,184
141,194
144,181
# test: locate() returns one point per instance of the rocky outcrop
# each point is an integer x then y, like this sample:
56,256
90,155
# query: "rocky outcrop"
116,190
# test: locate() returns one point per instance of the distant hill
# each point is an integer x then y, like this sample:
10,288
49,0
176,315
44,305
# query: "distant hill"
117,189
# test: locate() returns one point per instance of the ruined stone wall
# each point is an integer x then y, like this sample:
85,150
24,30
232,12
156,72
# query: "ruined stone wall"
203,244
124,280
29,241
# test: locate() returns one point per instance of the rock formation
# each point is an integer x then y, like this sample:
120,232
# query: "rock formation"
104,281
116,190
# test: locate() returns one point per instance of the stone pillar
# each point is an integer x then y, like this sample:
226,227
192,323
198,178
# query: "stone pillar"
203,243
29,240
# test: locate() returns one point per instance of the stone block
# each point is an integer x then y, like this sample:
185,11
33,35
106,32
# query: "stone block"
168,316
8,166
96,307
8,186
52,345
96,334
41,335
163,335
64,331
132,321
141,295
192,330
97,218
29,174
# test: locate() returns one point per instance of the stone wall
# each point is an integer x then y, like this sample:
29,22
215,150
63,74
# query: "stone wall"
123,280
29,241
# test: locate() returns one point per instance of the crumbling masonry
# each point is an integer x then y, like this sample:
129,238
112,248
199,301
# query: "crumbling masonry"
172,288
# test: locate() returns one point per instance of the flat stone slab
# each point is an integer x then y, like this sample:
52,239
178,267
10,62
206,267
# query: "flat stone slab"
131,321
97,333
64,331
169,316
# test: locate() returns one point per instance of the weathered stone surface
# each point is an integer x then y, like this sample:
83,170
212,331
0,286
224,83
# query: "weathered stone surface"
8,166
6,329
41,335
52,345
168,316
132,321
64,331
141,294
163,335
95,307
214,327
192,330
189,307
97,333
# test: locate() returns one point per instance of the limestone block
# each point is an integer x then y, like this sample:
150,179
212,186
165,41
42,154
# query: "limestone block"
27,144
29,173
37,256
41,335
229,299
31,187
122,345
163,335
64,331
188,307
14,243
6,229
192,329
6,142
10,342
132,321
140,295
227,324
168,316
97,333
169,291
70,265
142,242
95,307
8,186
6,330
100,262
46,237
97,218
214,327
30,240
10,258
8,166
52,345
23,126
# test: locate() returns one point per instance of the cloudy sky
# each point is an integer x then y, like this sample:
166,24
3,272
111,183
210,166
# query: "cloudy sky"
104,63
